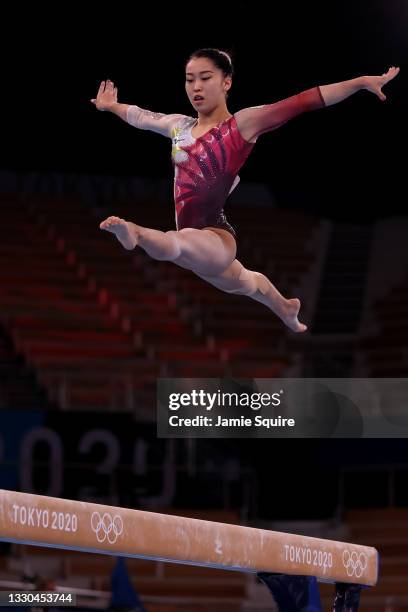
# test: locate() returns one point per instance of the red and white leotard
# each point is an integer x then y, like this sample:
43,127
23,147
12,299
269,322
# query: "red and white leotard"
206,168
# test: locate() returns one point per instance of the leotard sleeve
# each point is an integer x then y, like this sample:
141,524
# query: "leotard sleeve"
254,121
156,122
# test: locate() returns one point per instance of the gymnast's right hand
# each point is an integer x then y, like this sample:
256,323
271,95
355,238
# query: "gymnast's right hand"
106,97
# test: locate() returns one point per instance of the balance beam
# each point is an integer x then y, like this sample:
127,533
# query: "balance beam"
96,528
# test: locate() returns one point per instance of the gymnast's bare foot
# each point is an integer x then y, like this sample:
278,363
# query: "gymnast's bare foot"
123,231
291,316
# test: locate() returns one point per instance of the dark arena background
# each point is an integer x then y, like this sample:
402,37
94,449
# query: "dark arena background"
87,328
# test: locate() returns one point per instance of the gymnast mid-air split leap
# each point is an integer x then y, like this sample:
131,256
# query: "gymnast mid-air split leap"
208,152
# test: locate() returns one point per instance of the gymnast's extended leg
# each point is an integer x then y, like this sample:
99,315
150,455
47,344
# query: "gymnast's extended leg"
204,251
239,280
209,253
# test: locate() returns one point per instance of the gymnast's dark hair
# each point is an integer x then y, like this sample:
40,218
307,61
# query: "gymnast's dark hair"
221,59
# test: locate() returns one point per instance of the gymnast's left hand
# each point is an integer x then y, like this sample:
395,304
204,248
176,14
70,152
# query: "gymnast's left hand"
376,83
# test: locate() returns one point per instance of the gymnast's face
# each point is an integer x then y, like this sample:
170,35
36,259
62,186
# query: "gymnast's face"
206,84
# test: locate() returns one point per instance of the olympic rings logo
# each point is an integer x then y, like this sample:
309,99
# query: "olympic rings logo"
106,527
355,563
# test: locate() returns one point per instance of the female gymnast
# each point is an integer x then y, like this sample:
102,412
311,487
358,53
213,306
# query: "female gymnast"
208,152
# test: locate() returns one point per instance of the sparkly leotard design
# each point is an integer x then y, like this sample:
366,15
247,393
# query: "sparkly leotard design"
206,168
206,171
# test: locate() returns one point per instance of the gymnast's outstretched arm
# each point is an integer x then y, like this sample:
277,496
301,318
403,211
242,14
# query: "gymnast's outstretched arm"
254,121
107,100
340,91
